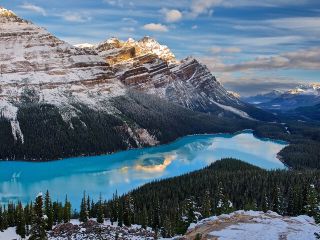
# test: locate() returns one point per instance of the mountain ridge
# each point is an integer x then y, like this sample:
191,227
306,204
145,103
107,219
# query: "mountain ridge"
186,82
301,96
52,93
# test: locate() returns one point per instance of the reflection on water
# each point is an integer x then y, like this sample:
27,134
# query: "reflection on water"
129,169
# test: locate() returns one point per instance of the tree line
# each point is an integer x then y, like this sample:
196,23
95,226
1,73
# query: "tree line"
35,218
169,206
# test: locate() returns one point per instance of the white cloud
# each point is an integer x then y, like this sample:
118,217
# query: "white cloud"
34,8
308,59
199,7
129,20
172,15
117,3
267,41
216,49
251,85
156,27
304,24
203,6
194,27
75,17
128,29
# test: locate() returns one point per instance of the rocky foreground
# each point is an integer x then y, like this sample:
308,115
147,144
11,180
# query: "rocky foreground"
239,225
252,225
94,230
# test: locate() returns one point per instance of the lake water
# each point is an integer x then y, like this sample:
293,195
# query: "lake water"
127,170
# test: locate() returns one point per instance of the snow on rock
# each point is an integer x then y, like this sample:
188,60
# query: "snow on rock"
9,111
16,131
305,89
116,50
6,13
93,230
85,45
254,225
34,61
234,110
147,66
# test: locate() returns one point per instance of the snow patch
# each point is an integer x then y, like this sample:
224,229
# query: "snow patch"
253,225
234,111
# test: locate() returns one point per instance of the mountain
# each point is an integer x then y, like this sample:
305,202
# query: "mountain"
152,68
58,100
303,95
263,98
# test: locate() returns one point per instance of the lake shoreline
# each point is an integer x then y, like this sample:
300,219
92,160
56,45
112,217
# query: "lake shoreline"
127,170
147,147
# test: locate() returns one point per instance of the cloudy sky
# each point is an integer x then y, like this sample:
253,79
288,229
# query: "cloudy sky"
250,45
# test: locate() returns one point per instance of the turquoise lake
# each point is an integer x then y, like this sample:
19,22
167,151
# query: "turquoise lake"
127,170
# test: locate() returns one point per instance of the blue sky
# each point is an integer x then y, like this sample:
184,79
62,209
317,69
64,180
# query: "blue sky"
251,46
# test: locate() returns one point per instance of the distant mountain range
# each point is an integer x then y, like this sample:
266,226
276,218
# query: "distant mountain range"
59,100
301,96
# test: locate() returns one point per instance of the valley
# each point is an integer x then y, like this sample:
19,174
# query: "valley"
121,139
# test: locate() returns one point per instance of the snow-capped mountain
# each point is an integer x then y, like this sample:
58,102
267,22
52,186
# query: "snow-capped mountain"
263,97
61,100
56,72
150,67
301,96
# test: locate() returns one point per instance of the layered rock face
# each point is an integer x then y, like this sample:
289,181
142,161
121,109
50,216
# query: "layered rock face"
38,68
57,100
147,66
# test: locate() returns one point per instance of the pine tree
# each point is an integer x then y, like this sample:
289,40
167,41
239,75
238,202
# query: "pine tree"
156,215
55,207
144,217
277,200
100,216
290,202
114,208
1,219
60,212
38,222
120,215
66,211
312,205
224,205
298,201
48,211
28,213
89,207
11,214
206,205
21,223
190,209
167,230
84,214
265,203
5,218
127,211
